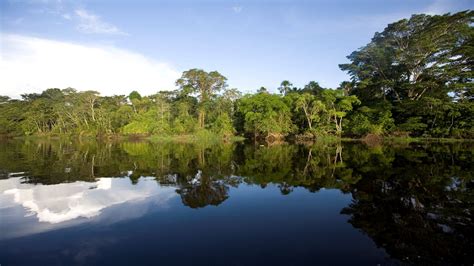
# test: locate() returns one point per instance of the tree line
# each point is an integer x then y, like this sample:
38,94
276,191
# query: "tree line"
413,79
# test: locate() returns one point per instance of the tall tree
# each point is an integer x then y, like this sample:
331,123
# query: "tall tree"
205,85
338,106
313,87
285,87
265,114
311,108
412,58
415,63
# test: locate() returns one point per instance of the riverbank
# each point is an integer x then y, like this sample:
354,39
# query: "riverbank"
188,138
213,138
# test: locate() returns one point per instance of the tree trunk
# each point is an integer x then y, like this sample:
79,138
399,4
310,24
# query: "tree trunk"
307,117
338,127
451,126
201,118
92,113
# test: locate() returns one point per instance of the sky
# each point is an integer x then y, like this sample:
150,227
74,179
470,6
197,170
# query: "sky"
116,46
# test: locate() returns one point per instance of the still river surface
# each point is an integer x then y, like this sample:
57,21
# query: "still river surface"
135,203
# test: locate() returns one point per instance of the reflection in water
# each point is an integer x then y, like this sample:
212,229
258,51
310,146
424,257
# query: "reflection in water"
203,191
414,200
63,202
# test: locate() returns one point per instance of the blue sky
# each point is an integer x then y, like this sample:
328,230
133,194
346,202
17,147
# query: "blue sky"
252,43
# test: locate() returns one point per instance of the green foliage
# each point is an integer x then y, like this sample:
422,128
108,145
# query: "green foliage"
338,106
184,122
421,66
285,87
376,120
134,95
137,127
413,124
313,88
265,114
311,107
415,78
223,125
205,85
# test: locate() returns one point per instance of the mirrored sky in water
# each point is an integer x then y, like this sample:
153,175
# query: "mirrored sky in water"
95,203
62,203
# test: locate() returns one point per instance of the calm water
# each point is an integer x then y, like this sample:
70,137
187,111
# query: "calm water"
134,203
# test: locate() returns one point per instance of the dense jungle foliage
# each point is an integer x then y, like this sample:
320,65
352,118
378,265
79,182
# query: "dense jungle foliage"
413,79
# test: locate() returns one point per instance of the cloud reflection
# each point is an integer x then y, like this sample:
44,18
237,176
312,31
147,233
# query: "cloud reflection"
54,204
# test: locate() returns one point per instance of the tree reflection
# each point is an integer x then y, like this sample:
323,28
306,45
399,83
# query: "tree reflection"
418,227
202,191
415,200
421,210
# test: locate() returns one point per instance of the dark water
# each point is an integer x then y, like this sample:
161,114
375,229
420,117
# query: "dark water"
134,203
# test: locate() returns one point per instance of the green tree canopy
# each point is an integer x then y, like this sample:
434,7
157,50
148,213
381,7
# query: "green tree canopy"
205,85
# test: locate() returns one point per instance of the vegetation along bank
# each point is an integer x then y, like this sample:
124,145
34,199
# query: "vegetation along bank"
414,79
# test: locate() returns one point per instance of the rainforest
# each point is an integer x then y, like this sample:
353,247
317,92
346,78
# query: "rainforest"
413,79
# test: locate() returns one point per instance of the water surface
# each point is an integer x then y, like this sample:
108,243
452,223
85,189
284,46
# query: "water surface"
130,203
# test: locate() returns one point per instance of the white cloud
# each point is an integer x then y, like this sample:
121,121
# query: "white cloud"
32,64
237,9
91,23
